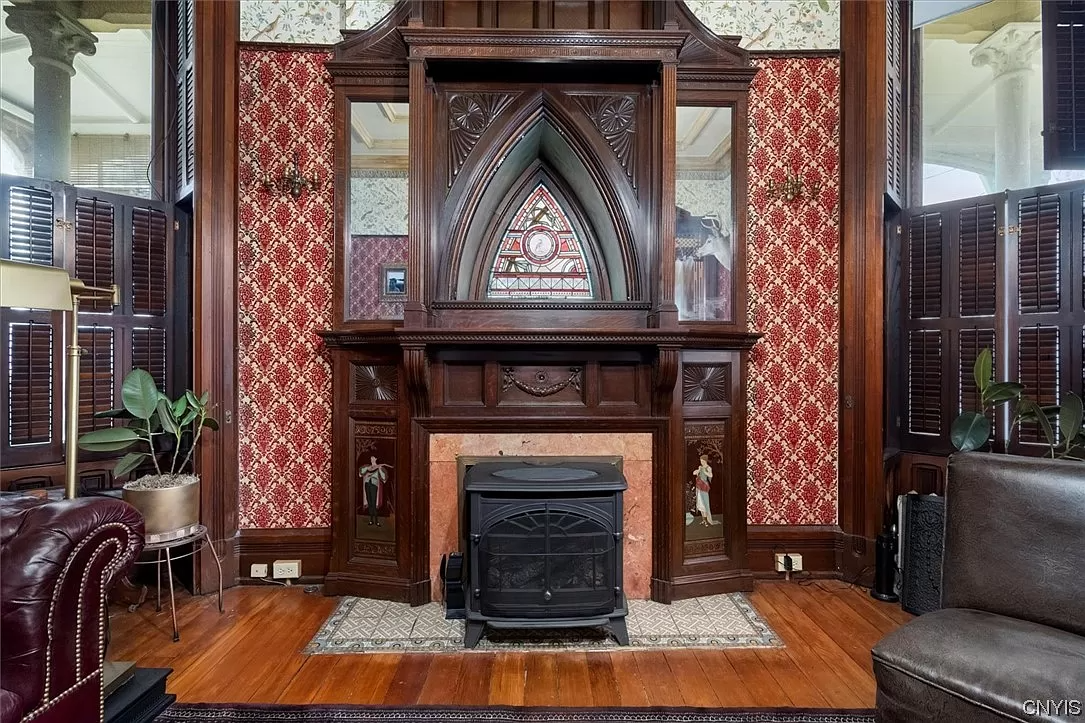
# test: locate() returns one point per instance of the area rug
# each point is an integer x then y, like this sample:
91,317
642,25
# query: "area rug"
361,625
210,713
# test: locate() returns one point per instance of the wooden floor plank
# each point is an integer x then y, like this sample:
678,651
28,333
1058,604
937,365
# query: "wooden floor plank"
824,677
508,680
631,689
693,684
253,653
540,680
604,688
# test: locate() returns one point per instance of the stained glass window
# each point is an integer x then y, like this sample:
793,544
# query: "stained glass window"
540,256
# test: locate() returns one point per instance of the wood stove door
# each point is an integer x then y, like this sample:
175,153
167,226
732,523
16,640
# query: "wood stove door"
545,559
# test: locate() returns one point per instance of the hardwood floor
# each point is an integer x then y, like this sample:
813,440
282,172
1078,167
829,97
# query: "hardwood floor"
251,654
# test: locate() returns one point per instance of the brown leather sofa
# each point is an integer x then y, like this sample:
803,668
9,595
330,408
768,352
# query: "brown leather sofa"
1009,641
58,561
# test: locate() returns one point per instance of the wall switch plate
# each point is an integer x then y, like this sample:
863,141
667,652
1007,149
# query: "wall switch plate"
259,570
286,569
796,561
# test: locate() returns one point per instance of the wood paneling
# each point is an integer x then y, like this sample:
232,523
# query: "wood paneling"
311,545
862,275
252,655
215,277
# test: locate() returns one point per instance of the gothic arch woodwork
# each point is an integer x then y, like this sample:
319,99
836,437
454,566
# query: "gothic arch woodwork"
499,99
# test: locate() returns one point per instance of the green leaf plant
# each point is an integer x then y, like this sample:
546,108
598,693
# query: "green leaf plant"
1061,425
153,420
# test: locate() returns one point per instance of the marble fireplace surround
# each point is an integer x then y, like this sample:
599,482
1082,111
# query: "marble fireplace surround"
635,449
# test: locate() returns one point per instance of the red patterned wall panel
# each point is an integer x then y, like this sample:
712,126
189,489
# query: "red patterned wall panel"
793,267
285,248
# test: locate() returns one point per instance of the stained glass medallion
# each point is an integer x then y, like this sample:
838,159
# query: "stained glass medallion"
540,256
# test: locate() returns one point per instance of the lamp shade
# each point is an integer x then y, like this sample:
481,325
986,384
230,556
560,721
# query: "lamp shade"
33,286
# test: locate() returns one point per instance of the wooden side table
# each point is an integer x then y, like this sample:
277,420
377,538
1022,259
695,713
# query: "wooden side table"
199,538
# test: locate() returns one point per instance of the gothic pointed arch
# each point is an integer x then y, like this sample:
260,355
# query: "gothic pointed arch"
538,254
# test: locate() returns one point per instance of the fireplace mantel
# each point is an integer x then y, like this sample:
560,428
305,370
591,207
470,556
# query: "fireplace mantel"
552,150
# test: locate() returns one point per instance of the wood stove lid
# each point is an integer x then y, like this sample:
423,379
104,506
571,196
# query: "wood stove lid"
560,476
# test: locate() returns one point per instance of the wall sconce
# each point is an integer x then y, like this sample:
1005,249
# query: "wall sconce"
793,188
292,181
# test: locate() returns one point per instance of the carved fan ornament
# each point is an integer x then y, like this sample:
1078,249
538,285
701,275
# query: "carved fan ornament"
469,115
615,117
375,383
704,383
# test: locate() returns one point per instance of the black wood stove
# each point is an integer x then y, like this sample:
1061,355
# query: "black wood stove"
545,547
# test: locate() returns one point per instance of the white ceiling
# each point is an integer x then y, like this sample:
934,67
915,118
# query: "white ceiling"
111,90
378,135
703,137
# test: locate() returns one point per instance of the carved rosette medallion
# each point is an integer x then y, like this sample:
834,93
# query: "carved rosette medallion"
615,117
469,115
703,383
374,383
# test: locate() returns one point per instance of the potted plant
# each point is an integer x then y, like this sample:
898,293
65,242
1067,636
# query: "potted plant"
168,430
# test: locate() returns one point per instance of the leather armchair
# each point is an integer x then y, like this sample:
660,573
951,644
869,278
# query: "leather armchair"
1009,641
58,561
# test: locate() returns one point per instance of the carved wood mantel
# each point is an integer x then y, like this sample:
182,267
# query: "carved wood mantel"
598,108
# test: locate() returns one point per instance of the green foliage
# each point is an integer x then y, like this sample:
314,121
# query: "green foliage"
1061,425
153,418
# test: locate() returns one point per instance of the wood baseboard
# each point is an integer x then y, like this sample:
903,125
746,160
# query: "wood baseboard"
819,545
311,545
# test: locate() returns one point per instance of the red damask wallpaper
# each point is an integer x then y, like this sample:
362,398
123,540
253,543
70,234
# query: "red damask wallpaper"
793,262
284,291
285,287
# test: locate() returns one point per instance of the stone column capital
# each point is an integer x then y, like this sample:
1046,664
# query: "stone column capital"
55,37
1010,48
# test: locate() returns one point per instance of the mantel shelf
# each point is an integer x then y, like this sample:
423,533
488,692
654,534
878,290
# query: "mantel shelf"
701,337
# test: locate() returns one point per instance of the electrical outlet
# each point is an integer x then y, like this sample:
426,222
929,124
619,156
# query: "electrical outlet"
259,570
286,569
796,562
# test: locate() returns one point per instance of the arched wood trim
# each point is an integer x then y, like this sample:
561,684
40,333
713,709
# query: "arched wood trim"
492,238
469,188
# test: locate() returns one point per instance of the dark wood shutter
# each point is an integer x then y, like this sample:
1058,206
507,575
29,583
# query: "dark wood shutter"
1038,253
94,243
30,225
185,97
895,126
925,266
970,342
149,352
30,384
96,376
149,243
1064,83
925,382
1038,370
978,241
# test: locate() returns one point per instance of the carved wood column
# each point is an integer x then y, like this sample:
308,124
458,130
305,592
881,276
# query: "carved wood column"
215,280
666,311
421,176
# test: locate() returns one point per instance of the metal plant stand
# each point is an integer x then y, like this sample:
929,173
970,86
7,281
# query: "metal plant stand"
199,539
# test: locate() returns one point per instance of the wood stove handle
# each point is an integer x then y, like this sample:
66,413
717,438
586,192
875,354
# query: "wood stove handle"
547,596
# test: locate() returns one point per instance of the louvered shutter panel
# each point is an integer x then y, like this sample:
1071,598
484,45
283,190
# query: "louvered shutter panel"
149,352
94,241
30,383
970,342
95,376
185,97
977,242
925,382
1038,370
1038,252
30,225
149,244
925,266
1064,83
894,102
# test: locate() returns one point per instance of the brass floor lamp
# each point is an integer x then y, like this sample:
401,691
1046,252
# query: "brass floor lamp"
33,286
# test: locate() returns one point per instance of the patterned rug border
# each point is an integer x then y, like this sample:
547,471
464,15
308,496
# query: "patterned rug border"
324,642
273,713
